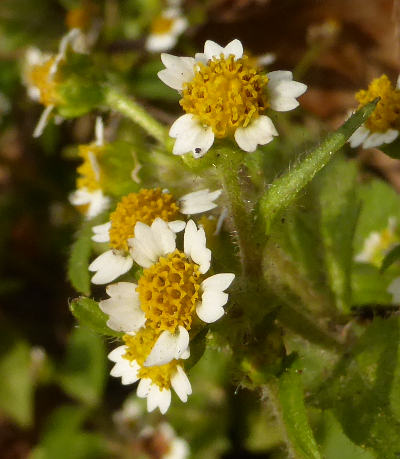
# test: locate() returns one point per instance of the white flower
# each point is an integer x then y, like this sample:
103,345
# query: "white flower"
132,307
378,129
178,448
109,267
93,200
155,241
363,136
166,29
377,244
35,58
211,103
96,201
157,397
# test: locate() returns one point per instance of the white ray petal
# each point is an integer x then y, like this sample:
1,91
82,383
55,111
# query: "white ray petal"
168,347
108,266
181,384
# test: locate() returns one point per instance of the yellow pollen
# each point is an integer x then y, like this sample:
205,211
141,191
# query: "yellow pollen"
225,94
89,171
144,206
161,25
169,291
387,113
47,85
139,347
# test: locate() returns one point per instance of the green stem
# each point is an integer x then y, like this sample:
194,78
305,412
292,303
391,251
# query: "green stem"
229,168
284,190
128,107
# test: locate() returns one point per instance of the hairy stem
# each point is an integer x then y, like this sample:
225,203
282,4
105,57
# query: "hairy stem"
229,167
128,107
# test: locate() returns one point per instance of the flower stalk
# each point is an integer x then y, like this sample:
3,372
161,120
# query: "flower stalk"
130,108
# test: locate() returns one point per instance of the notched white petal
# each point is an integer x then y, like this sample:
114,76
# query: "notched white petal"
168,347
108,266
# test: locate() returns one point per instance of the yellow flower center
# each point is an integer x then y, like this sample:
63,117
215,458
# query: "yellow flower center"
161,25
89,171
46,83
225,94
139,347
144,206
387,113
168,292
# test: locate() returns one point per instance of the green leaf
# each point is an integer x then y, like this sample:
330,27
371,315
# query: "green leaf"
294,415
364,390
82,374
339,209
16,383
335,444
88,313
391,149
390,258
285,189
64,438
78,262
197,348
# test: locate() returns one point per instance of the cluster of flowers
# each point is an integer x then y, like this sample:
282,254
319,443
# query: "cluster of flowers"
225,94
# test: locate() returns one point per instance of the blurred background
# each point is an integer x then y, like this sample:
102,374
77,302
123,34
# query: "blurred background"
56,397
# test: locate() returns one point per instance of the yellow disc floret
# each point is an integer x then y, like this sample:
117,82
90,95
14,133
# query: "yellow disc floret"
139,347
161,25
225,94
89,171
387,113
168,292
46,83
144,206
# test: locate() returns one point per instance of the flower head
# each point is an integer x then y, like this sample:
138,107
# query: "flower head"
144,206
157,313
383,125
225,94
378,244
165,30
89,197
42,75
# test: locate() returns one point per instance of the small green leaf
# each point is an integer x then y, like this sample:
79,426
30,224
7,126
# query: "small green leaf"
78,262
300,436
390,258
16,384
88,313
82,374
